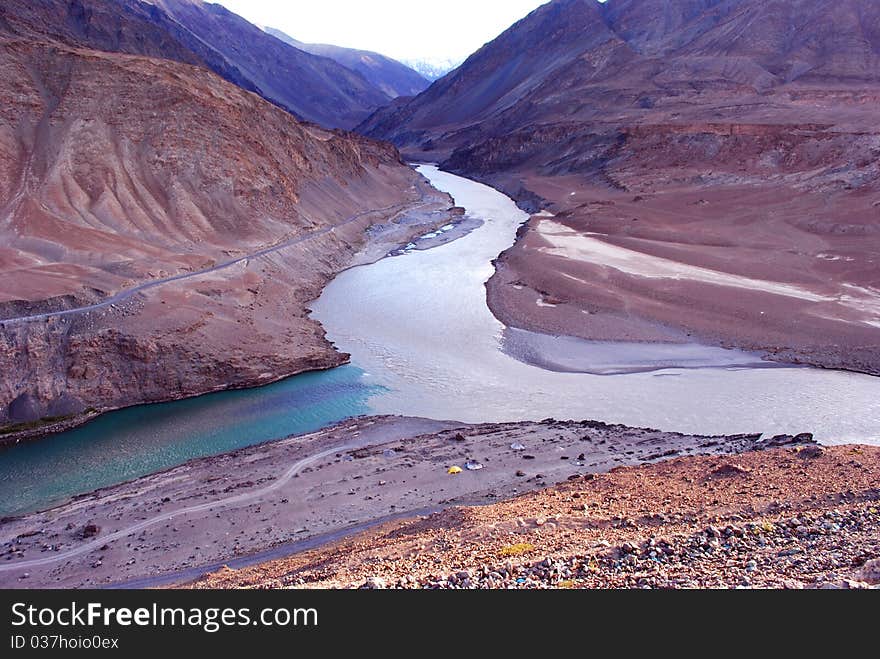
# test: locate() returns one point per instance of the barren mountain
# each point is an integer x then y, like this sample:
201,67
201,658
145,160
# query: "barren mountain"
120,172
193,32
389,75
712,169
313,87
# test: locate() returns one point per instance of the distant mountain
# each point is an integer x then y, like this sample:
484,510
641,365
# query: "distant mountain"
582,60
315,88
388,75
709,137
190,31
432,69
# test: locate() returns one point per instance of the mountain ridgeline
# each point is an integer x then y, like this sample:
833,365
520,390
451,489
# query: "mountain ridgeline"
723,143
314,88
390,76
628,62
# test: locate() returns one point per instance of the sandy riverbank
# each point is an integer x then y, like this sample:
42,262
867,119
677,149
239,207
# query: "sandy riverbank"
677,267
367,469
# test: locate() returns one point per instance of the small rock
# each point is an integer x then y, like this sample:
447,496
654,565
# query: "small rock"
374,583
730,469
90,530
870,572
810,452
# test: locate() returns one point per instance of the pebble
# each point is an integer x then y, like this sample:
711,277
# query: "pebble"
374,583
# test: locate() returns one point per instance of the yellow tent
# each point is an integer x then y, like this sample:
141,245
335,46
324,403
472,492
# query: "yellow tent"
454,470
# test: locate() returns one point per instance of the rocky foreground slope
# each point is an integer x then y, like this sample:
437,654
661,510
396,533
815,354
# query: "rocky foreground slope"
170,527
710,169
120,170
785,518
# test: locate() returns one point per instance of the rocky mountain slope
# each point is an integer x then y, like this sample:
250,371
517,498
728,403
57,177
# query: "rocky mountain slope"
312,87
711,166
433,69
120,170
193,32
389,75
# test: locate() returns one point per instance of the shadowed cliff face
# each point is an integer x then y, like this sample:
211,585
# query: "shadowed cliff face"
118,170
739,136
313,88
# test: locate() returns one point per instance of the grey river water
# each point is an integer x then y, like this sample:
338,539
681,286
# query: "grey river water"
424,343
419,326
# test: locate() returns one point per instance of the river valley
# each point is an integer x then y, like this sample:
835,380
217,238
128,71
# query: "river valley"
424,344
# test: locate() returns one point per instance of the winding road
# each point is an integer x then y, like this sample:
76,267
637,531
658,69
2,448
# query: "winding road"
165,517
128,293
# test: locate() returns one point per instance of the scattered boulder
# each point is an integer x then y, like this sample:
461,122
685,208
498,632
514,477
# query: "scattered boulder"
65,405
25,409
90,530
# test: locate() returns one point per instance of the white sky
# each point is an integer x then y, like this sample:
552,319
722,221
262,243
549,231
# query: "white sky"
402,29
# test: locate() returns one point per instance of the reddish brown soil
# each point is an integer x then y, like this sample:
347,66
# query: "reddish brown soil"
786,518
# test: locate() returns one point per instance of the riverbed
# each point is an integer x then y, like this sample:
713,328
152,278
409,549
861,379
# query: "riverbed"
424,343
419,327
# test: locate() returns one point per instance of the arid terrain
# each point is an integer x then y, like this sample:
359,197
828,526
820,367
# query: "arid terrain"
789,518
119,172
708,170
178,188
390,76
317,486
311,87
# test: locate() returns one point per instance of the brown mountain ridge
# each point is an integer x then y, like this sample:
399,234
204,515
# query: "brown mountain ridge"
193,32
118,171
713,168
